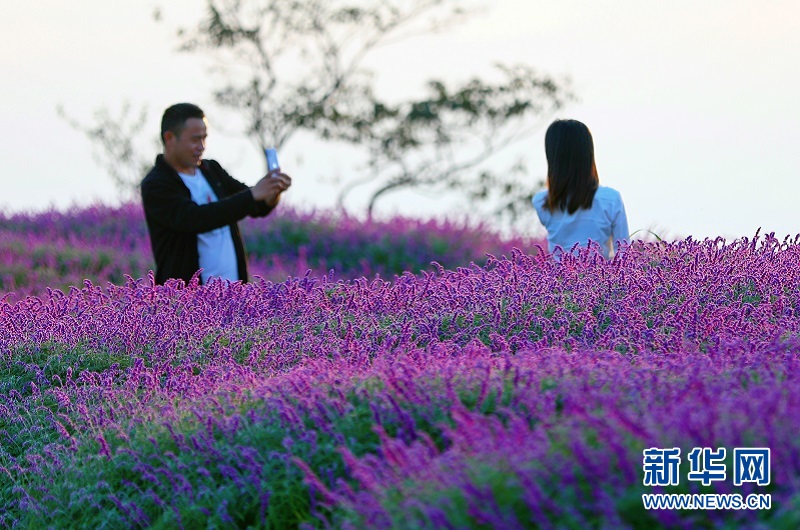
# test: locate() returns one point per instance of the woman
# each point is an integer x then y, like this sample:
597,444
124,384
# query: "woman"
575,208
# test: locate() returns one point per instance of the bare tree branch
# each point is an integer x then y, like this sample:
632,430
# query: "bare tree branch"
114,143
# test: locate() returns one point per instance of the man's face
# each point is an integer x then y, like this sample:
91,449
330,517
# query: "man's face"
186,149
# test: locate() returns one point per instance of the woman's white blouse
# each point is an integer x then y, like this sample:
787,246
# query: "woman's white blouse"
604,223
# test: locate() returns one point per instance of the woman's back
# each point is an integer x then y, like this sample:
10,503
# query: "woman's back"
575,208
605,222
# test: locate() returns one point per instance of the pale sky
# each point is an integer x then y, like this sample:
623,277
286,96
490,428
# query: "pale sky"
692,104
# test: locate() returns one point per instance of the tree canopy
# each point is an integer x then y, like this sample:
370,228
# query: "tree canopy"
285,66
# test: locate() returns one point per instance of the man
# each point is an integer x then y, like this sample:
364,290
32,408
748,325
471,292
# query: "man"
192,205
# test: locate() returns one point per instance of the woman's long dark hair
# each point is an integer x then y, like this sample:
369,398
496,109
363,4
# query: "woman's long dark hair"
571,172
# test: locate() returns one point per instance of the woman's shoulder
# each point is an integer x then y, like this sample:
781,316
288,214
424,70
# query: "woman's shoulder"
604,193
609,201
538,199
538,205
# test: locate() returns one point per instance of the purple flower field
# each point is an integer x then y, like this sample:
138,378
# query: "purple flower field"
520,393
104,244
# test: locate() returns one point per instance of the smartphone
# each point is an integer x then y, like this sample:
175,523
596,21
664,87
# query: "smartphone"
272,159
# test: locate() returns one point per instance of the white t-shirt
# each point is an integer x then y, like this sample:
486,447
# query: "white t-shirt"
215,248
605,222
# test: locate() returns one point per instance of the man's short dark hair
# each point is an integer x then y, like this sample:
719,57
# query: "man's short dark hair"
174,118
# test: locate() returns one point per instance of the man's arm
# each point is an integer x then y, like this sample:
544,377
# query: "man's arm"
171,206
266,192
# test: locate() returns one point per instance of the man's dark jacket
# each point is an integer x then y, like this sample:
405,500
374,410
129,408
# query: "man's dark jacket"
174,220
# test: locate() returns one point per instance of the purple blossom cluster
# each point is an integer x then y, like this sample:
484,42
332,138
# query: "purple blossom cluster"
517,394
59,249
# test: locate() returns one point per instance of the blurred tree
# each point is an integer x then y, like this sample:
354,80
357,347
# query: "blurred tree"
444,142
114,140
292,65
